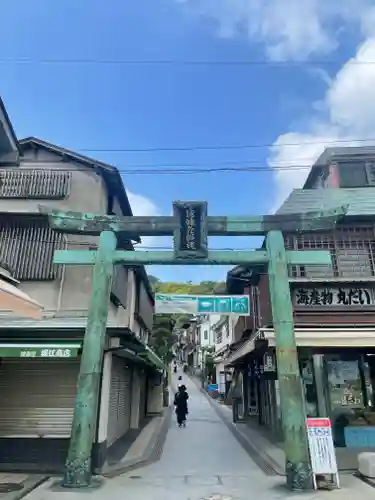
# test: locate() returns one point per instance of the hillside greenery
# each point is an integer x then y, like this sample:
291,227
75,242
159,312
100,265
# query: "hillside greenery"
163,335
202,288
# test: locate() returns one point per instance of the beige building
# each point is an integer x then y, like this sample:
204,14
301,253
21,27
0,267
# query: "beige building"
39,360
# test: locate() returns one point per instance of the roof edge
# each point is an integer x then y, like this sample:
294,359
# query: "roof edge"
9,125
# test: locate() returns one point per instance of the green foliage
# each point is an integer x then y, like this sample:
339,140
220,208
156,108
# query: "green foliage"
202,288
163,337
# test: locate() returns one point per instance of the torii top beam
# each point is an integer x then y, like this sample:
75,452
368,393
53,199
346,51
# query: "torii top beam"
93,224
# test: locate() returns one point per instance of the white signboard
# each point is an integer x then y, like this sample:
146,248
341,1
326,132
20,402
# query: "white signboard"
322,451
342,296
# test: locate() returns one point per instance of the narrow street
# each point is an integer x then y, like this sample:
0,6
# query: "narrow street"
201,461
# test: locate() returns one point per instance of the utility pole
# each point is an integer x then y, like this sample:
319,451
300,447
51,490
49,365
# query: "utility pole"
293,411
78,463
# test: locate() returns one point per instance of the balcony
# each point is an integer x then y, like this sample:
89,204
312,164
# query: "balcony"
352,250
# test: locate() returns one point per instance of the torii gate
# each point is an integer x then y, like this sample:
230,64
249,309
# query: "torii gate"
190,225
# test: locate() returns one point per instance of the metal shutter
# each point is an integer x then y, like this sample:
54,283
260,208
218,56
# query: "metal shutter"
142,399
119,401
37,397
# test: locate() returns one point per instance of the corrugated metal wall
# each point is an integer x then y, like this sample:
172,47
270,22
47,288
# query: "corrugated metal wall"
34,183
27,245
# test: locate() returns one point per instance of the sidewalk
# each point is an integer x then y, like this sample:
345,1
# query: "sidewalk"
14,486
252,440
255,440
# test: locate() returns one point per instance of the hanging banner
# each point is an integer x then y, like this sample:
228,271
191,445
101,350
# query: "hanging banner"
238,305
322,451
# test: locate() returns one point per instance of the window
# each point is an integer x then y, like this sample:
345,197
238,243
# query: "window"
351,249
353,174
321,178
205,335
354,262
219,337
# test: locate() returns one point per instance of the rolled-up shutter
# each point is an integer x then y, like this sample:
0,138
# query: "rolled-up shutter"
142,399
37,397
120,400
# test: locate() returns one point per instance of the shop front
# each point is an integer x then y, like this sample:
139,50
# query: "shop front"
37,397
337,367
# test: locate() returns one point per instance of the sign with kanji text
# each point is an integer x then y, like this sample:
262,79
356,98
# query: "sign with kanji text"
322,451
39,350
190,238
327,296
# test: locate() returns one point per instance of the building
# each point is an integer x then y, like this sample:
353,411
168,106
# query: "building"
206,338
223,333
39,360
334,309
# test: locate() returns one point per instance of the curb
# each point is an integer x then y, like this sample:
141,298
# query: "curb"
29,486
263,461
151,454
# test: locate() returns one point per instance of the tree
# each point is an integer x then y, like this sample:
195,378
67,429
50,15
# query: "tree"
163,337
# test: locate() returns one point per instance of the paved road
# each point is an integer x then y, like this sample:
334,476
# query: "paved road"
202,461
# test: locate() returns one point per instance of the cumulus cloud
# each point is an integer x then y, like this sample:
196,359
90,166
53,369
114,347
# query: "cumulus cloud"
288,29
349,105
143,206
296,30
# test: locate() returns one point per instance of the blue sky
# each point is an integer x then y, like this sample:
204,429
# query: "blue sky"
105,104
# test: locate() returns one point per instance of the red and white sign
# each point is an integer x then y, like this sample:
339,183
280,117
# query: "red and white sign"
322,450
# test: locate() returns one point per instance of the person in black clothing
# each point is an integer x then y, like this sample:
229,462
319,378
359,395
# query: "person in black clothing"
180,402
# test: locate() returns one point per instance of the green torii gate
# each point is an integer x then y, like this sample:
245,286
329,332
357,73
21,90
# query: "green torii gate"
190,225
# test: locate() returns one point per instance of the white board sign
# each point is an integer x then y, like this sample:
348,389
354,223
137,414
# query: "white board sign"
322,451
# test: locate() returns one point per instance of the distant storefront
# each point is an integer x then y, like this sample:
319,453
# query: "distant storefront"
337,367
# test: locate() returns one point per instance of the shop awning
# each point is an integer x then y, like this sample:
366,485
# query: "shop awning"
13,299
328,337
220,355
153,358
50,350
245,349
312,337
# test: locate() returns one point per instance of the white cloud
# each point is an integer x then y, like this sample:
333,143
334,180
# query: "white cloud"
295,30
143,206
350,110
289,29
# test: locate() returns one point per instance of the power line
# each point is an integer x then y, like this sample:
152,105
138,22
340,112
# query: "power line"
180,62
210,170
223,146
25,161
188,171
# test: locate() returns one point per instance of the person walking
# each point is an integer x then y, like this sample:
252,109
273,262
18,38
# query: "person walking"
180,402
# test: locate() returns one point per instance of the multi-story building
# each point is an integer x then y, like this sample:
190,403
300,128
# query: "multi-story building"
334,306
39,360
